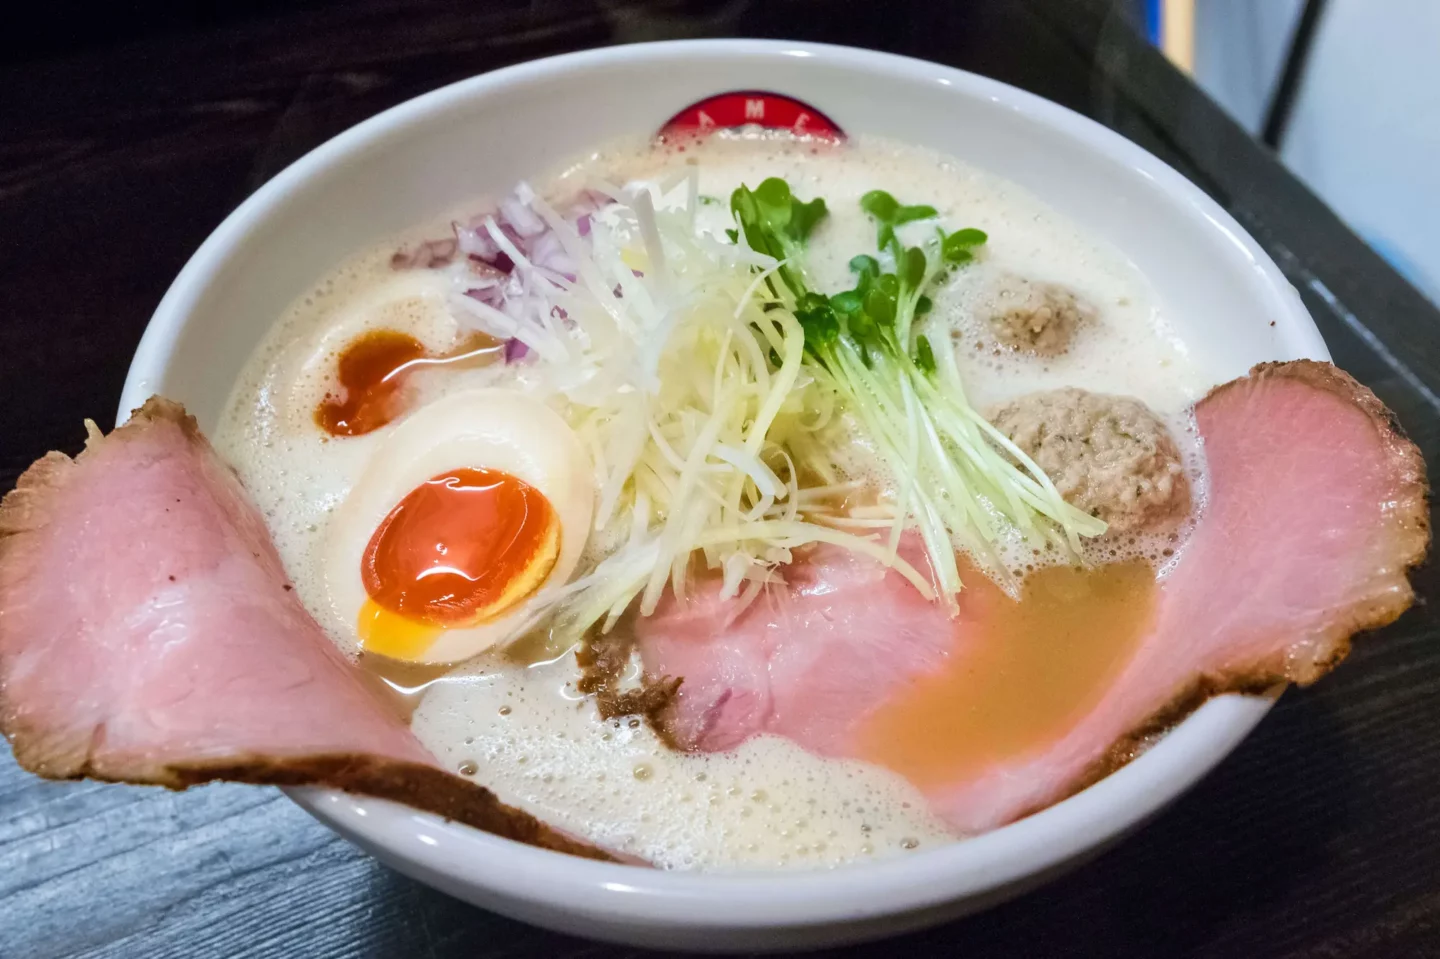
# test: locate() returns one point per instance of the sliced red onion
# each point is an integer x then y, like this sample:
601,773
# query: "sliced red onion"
525,297
523,220
485,273
500,261
476,242
473,242
547,251
493,295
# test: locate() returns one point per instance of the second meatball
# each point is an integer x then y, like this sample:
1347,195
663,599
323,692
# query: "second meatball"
1107,455
1034,317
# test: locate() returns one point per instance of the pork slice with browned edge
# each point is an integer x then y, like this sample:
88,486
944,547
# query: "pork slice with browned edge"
1316,509
148,634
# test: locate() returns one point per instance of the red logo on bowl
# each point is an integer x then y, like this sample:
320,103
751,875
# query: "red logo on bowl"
743,108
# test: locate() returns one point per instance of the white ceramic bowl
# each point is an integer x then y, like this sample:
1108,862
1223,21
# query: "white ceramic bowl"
420,158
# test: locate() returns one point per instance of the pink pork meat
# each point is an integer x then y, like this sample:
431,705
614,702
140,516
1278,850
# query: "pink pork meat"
1317,507
148,634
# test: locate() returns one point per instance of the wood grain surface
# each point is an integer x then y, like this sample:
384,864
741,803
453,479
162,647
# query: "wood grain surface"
1319,837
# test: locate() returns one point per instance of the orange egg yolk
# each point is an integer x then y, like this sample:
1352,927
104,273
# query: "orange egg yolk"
459,549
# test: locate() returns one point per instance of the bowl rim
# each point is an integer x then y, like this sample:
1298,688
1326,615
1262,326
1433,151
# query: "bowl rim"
425,845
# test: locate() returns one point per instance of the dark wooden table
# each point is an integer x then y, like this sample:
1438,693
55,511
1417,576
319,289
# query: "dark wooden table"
1319,837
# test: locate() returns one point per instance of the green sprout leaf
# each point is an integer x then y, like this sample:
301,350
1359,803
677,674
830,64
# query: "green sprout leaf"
818,320
959,247
865,267
849,302
909,214
924,355
777,224
888,213
880,306
881,205
804,217
912,267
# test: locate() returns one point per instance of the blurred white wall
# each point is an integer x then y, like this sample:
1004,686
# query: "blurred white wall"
1239,46
1365,131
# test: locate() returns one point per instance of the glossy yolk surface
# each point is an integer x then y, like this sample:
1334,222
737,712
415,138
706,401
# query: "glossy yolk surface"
1021,675
459,549
372,371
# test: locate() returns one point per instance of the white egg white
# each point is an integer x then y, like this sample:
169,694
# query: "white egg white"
495,429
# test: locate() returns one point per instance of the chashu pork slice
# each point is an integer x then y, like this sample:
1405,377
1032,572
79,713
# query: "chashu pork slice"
1316,509
808,661
148,634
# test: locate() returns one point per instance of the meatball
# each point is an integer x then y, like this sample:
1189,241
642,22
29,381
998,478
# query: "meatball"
1107,455
1035,317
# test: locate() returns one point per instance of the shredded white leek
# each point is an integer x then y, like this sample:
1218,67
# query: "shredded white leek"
688,393
714,444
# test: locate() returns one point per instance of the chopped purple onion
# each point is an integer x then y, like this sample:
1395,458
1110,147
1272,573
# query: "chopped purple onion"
548,252
494,280
492,296
485,273
523,220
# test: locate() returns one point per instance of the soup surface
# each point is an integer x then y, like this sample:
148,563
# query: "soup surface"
371,344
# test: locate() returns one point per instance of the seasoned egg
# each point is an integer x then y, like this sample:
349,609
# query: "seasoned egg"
466,510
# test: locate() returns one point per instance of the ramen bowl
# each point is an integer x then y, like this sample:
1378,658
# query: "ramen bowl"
1230,304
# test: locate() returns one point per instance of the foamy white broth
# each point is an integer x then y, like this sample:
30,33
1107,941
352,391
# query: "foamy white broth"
1130,350
526,730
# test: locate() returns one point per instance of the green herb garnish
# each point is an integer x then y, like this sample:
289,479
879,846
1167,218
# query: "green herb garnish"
956,476
778,225
888,213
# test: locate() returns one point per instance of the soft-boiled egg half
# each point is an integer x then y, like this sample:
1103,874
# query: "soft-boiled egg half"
470,507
